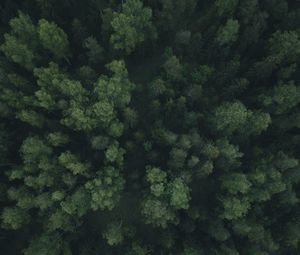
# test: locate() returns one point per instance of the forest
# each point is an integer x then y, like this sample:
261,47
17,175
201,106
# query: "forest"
149,127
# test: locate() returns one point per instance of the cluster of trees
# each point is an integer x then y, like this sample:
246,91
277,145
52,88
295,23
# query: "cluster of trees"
150,127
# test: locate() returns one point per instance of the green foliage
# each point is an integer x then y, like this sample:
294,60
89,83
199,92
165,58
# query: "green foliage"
77,204
71,162
157,213
149,127
114,154
229,154
228,33
117,88
131,117
202,74
58,139
257,123
105,189
173,68
179,194
183,37
33,150
137,250
218,231
103,111
174,13
31,117
177,158
57,195
95,50
19,45
47,244
235,208
157,179
226,6
192,251
14,218
236,183
60,220
113,234
282,98
53,38
205,169
131,26
267,183
229,117
284,46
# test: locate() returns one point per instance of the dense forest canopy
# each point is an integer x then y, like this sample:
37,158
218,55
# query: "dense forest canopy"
143,127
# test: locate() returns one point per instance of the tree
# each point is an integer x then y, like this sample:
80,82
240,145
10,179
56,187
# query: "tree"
281,98
33,150
95,50
229,117
114,154
173,13
284,46
236,183
31,117
113,234
257,123
20,44
173,68
157,212
71,162
179,194
14,218
183,37
137,249
226,7
53,38
177,158
228,33
47,244
78,204
230,155
58,138
149,127
117,88
218,231
131,26
235,208
157,179
105,189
